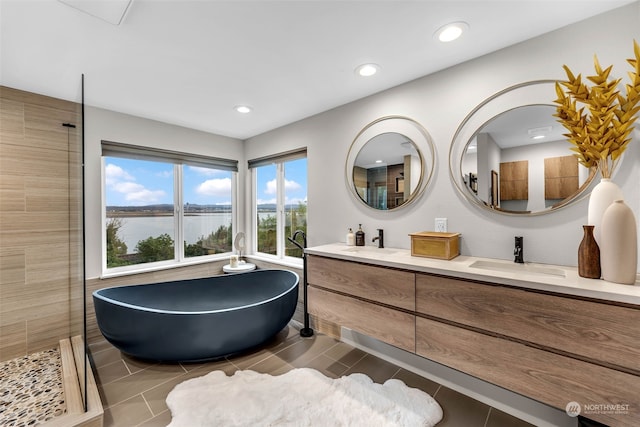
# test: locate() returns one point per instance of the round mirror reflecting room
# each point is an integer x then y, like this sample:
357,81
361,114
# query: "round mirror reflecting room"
390,163
516,159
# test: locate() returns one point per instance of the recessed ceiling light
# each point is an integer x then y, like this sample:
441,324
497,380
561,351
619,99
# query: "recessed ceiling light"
367,70
378,161
244,109
451,31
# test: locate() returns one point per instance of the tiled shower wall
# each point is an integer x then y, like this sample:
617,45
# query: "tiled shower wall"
40,222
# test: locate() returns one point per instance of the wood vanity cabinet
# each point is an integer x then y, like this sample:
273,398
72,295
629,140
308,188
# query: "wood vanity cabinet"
550,347
553,348
377,301
596,331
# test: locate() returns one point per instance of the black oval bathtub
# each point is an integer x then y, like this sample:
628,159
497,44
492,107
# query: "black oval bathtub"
197,319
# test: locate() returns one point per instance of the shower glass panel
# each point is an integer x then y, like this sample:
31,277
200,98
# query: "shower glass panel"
77,293
42,296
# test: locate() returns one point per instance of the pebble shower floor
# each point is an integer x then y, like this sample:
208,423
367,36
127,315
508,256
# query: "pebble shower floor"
31,390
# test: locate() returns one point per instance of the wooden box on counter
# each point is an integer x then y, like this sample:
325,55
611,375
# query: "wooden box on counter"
435,244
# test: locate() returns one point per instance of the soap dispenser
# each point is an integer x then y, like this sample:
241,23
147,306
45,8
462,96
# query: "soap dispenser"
359,236
351,238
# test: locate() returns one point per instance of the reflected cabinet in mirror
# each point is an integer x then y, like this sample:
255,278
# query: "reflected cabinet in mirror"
509,154
390,163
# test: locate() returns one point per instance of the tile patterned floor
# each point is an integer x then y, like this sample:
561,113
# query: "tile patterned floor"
31,390
133,392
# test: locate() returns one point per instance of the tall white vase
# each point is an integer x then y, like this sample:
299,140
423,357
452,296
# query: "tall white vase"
602,195
619,246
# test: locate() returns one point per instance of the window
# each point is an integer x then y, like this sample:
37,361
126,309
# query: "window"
143,187
280,203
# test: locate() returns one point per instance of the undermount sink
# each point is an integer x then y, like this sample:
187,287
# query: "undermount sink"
518,268
369,250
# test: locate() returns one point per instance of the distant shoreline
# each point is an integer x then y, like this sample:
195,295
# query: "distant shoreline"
137,214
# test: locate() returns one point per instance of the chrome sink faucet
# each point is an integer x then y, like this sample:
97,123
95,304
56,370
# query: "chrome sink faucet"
379,238
518,251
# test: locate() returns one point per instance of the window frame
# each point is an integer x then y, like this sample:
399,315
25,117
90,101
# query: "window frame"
279,160
179,161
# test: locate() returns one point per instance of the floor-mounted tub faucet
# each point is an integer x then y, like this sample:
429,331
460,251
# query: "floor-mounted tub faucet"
306,331
518,251
379,238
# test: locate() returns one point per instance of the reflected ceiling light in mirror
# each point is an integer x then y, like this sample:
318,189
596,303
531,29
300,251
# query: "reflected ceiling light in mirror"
451,32
367,70
244,109
539,133
473,147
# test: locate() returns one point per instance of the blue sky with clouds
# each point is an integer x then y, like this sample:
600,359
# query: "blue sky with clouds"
295,183
132,182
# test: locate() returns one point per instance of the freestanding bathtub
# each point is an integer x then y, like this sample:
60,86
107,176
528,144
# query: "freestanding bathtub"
198,319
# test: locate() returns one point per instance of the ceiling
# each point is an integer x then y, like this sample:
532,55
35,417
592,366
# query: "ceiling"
517,127
190,62
385,149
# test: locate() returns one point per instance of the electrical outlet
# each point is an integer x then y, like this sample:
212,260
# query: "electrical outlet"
441,224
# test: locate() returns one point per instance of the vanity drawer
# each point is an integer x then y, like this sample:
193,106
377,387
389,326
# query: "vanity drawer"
603,333
548,377
391,326
384,285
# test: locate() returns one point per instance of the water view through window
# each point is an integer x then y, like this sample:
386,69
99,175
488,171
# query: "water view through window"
281,187
142,224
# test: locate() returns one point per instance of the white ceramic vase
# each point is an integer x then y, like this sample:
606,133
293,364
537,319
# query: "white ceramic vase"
602,195
619,244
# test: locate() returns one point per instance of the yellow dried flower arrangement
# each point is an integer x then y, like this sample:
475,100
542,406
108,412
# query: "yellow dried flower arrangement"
601,134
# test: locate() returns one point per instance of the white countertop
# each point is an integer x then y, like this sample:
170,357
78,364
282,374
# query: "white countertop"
544,277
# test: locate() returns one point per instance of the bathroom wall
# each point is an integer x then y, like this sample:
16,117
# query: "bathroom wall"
108,125
41,285
440,102
112,126
488,154
40,261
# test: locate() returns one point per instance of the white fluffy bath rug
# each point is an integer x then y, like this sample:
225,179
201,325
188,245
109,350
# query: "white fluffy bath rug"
301,397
